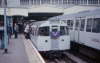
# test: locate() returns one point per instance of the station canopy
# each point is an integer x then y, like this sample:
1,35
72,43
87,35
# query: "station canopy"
44,12
14,11
2,11
18,11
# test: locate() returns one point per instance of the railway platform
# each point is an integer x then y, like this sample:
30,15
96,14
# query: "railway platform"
20,50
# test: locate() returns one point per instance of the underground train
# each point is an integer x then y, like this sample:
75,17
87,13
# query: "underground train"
51,35
84,32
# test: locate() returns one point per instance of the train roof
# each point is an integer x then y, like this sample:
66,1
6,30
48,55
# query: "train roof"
51,23
94,12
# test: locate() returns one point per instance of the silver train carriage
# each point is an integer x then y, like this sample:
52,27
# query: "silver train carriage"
50,35
84,28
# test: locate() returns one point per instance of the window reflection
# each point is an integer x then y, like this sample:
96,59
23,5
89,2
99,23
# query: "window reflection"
96,25
64,30
77,25
82,24
70,23
43,31
89,24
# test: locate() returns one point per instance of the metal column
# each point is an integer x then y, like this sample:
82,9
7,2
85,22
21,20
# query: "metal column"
5,28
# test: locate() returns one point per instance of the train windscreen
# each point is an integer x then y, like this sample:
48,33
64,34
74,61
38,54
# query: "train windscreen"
43,31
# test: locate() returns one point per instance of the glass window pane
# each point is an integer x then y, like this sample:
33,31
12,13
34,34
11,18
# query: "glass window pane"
48,1
65,2
60,2
99,2
70,1
0,3
43,31
83,2
89,25
93,1
76,2
24,2
70,23
62,30
31,1
67,30
76,24
82,24
45,1
34,2
96,25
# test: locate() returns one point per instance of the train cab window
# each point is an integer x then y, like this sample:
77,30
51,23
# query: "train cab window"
70,23
82,24
89,25
43,31
96,25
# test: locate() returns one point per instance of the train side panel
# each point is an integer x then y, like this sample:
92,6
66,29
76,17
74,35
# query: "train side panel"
64,42
44,43
90,39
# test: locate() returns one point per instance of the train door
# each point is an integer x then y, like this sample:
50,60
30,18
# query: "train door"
54,37
77,30
70,24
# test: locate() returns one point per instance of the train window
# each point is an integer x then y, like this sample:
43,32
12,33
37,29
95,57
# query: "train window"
89,24
76,24
64,30
67,30
96,25
32,31
0,2
82,24
93,1
43,31
24,2
70,23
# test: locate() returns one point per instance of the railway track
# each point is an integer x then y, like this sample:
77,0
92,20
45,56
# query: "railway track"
57,58
66,57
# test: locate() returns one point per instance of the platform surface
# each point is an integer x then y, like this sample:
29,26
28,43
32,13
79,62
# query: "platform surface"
19,51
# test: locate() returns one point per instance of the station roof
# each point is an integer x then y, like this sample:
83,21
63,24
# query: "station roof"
14,11
18,11
45,12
